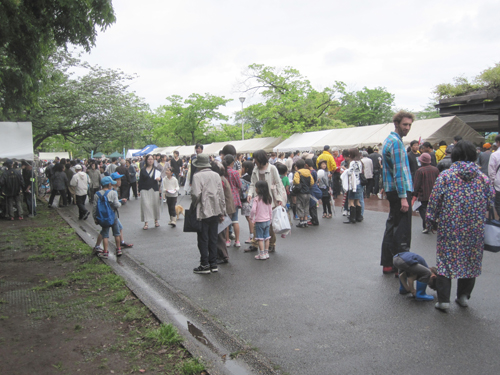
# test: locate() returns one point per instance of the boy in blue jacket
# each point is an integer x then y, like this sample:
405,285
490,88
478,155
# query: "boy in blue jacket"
413,267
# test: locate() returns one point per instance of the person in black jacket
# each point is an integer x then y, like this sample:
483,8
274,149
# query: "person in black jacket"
12,185
28,191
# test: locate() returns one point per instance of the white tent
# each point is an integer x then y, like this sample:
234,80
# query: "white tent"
432,131
302,141
346,137
52,155
251,145
130,152
16,142
186,150
214,148
165,150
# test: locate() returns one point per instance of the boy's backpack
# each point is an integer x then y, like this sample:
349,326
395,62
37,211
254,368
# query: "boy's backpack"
105,215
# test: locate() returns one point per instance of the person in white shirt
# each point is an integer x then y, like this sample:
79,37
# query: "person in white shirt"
170,190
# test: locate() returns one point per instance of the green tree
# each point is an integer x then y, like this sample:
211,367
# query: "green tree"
290,104
188,121
428,112
93,110
366,107
30,31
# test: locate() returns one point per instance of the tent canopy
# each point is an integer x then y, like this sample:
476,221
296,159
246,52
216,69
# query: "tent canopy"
432,130
251,145
146,150
16,142
186,150
130,152
165,150
115,154
302,141
213,148
52,155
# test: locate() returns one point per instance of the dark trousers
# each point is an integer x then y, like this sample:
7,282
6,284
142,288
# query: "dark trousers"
397,236
497,202
134,189
313,211
376,182
171,202
62,193
207,241
221,246
80,202
92,193
326,204
443,288
125,191
30,203
422,210
337,185
369,187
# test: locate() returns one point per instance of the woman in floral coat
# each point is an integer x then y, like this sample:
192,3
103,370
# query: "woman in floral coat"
458,206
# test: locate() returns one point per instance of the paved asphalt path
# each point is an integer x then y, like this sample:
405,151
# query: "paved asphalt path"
320,304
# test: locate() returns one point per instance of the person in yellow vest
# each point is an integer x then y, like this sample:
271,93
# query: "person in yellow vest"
330,161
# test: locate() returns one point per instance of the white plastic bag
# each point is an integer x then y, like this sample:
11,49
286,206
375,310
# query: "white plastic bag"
280,221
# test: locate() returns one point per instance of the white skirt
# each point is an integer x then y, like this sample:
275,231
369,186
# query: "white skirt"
150,205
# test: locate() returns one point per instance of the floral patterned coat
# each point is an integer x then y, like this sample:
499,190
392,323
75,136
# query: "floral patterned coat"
458,204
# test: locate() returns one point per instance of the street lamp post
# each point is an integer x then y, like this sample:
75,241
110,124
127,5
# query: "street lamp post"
242,99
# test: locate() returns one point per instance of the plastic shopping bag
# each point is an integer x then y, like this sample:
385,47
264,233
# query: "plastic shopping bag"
280,221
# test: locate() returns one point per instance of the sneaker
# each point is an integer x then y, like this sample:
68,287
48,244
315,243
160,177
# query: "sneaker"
248,241
283,236
103,255
232,236
98,249
202,269
214,268
260,257
127,245
85,217
425,231
266,254
463,301
387,270
379,195
119,252
228,243
237,244
443,306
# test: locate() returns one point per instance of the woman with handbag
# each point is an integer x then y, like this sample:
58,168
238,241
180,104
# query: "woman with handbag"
149,180
355,188
458,205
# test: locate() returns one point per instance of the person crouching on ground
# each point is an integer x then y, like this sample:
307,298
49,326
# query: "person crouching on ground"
302,181
261,215
104,208
170,190
413,267
207,196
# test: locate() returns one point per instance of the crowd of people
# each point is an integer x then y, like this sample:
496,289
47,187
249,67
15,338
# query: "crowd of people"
451,187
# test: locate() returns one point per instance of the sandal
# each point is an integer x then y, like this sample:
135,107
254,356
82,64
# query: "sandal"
248,241
329,216
157,224
324,215
145,226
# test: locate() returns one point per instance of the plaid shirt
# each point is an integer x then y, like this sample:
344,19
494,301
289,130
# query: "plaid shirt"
425,177
396,169
235,182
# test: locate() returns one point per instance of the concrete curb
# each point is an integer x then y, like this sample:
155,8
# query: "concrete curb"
205,337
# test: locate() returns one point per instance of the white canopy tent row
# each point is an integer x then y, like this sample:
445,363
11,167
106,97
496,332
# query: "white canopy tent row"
432,130
52,155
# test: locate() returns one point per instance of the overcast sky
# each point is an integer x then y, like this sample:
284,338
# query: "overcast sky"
203,46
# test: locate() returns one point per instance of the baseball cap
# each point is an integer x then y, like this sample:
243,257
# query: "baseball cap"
116,176
107,180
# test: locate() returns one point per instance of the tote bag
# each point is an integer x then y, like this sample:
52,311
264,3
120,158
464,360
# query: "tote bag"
492,233
191,223
280,221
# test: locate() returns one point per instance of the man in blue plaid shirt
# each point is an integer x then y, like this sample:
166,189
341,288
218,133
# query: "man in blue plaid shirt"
398,186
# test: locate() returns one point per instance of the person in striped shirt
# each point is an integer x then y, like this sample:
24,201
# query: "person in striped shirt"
398,186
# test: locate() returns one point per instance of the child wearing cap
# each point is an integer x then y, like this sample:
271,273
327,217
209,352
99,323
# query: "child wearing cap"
116,178
114,203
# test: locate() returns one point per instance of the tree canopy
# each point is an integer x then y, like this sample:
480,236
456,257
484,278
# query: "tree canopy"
30,31
488,79
95,111
188,121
